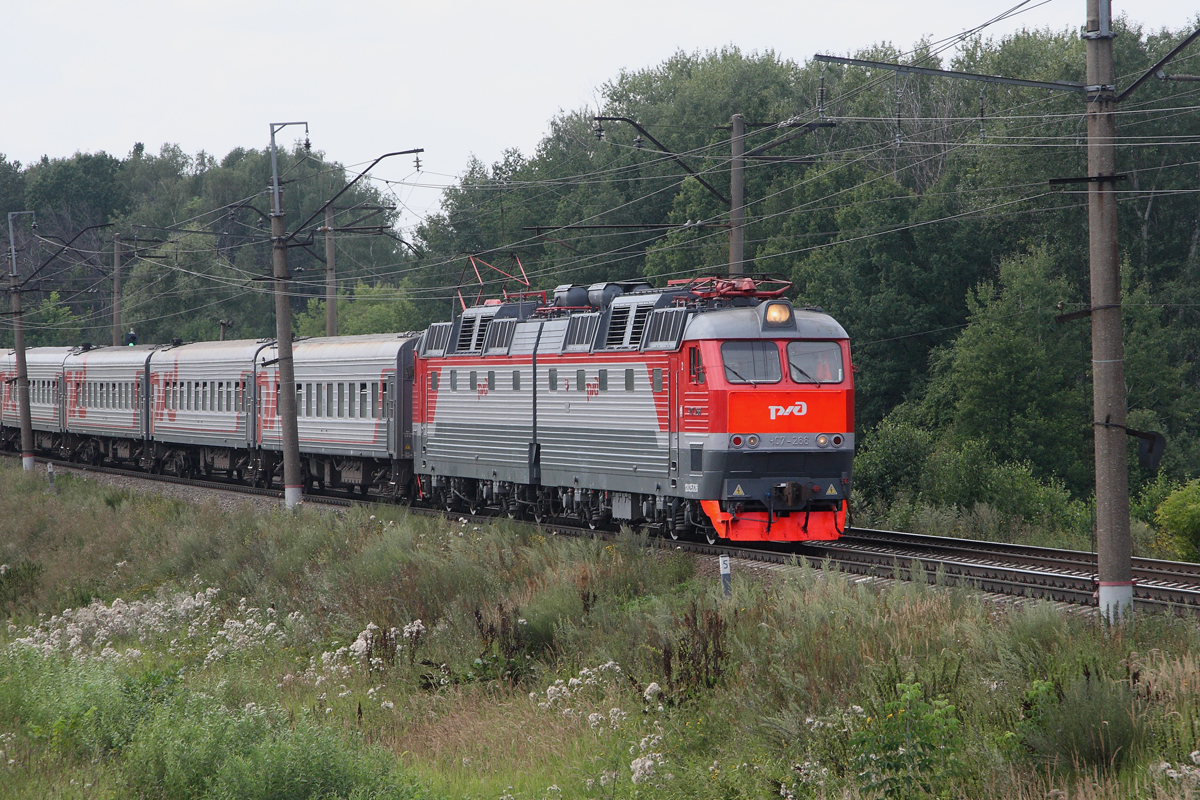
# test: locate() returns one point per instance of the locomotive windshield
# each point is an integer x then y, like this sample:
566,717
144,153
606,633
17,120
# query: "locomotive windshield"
751,362
815,362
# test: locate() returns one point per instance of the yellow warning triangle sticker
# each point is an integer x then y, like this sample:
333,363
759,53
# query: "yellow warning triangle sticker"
738,491
832,489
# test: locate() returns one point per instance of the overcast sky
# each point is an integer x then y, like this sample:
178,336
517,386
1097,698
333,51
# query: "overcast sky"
457,78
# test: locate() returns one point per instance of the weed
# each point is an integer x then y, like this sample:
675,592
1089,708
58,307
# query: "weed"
1090,723
695,661
910,747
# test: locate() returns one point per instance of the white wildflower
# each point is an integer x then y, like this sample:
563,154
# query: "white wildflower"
652,691
387,705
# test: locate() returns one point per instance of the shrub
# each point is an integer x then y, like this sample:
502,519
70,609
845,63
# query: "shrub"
1179,514
890,462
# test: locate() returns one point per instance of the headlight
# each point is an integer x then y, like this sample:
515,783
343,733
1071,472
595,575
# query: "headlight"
752,440
779,314
823,440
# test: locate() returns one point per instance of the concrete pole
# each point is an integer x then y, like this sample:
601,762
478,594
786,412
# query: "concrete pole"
27,462
286,400
1113,544
116,314
330,276
737,168
293,484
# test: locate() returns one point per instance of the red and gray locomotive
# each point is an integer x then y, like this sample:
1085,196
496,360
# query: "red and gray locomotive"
711,407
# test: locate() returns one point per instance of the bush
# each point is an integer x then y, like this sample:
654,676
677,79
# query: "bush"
890,462
1179,514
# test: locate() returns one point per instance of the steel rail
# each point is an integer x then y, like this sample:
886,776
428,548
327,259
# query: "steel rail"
1066,576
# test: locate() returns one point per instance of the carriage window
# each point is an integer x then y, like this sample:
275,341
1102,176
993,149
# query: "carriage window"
351,402
602,380
374,401
580,380
553,378
362,400
454,380
815,362
629,380
516,380
474,384
308,400
491,379
751,362
329,399
341,390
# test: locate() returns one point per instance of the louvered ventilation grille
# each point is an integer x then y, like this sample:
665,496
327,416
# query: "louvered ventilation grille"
616,329
466,334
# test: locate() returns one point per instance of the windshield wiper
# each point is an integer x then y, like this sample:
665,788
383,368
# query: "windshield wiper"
741,377
799,369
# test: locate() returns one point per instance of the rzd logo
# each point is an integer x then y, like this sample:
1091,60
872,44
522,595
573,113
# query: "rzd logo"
798,410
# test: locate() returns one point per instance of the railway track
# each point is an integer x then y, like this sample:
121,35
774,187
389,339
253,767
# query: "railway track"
1066,576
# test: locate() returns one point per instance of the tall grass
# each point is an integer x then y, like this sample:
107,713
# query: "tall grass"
192,652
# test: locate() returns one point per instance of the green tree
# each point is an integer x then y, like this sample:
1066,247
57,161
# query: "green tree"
370,309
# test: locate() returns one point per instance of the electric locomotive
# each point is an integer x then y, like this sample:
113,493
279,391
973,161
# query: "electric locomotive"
711,407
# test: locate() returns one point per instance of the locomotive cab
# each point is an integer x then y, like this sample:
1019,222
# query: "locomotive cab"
775,461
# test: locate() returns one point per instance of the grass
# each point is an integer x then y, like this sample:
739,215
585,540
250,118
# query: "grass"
156,649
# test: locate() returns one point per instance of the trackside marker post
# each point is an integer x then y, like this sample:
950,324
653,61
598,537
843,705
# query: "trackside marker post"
726,575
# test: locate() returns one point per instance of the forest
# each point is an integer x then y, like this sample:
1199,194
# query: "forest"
920,217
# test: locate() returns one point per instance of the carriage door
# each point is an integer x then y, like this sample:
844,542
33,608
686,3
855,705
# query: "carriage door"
391,408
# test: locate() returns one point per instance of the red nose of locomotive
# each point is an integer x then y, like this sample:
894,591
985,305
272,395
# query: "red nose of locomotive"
777,461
